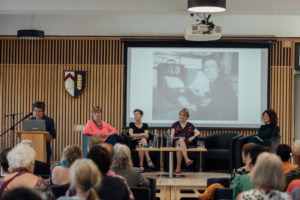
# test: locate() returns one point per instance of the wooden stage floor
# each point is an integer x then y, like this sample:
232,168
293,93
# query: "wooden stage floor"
182,187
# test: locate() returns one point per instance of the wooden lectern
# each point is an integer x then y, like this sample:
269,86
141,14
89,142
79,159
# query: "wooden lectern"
39,139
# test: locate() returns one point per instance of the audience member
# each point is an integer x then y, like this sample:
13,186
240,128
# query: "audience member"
111,173
4,161
267,175
93,141
122,165
284,151
245,156
112,187
40,168
22,193
85,178
21,167
295,173
243,182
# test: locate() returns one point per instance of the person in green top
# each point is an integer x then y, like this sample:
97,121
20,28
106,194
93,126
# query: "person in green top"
244,183
268,130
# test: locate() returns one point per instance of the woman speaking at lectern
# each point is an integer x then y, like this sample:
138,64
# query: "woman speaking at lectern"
98,127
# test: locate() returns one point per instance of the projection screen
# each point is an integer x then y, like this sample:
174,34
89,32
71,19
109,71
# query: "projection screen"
222,87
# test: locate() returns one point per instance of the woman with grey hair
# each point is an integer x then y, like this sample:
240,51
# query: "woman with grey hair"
122,165
21,166
268,177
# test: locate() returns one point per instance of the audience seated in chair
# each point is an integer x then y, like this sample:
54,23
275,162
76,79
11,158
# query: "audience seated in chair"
243,182
86,179
21,167
284,151
40,168
122,165
22,193
295,173
111,187
4,161
60,173
267,175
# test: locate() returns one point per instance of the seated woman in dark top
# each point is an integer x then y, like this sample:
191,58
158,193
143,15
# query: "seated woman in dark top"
138,131
268,130
183,133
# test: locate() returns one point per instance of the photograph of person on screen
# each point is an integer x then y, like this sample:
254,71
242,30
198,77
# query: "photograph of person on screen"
206,84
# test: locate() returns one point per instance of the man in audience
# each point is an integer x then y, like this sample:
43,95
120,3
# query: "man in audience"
284,151
112,187
4,162
295,173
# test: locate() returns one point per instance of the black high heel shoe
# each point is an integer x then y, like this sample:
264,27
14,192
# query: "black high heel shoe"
150,164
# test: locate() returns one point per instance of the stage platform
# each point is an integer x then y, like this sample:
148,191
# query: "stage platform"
187,187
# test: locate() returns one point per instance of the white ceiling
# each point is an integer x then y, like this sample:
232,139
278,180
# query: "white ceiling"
274,7
279,18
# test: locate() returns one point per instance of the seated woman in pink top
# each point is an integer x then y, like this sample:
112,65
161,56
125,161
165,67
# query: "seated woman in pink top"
96,126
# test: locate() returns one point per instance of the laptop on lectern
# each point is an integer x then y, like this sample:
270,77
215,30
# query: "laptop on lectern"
34,125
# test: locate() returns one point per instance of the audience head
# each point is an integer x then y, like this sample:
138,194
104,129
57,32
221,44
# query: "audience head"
270,117
38,109
296,153
255,151
122,157
268,172
3,159
284,152
21,156
85,177
97,111
138,114
246,150
93,141
109,148
21,194
70,154
101,158
184,114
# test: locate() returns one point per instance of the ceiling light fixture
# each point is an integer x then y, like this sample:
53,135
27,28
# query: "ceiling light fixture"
206,6
30,33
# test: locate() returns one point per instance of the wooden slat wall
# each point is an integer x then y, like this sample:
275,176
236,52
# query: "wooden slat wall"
33,70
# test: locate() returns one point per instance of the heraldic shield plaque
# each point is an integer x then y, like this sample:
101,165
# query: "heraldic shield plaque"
74,82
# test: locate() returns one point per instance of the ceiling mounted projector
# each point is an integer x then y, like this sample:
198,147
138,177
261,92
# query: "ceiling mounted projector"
30,34
206,6
204,30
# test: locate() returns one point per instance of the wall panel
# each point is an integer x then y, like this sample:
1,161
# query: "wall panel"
33,70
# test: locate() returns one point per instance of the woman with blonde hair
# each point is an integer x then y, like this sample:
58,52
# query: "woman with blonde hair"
122,165
184,133
268,177
98,127
60,173
86,179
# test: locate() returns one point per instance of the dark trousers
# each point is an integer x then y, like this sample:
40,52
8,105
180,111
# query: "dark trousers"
112,139
49,152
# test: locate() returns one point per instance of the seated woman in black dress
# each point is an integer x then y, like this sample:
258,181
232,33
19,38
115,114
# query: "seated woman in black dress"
183,133
138,131
268,130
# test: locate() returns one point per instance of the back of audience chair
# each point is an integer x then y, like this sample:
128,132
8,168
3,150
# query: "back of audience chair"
59,190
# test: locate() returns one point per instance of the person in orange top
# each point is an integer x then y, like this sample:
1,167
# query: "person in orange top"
100,128
284,151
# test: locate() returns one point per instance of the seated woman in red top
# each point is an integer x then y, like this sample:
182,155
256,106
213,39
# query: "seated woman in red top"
98,127
184,133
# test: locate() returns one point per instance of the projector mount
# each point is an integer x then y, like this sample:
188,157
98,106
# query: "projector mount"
203,19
